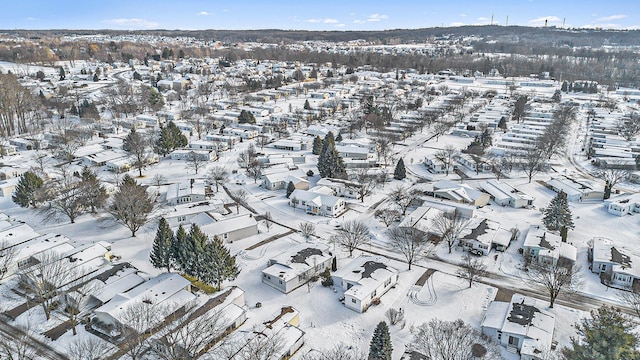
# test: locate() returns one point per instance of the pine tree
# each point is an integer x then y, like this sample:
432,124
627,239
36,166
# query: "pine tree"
197,241
220,265
94,194
179,249
317,145
246,117
62,74
307,106
26,189
290,188
161,251
557,216
170,139
380,347
608,334
96,78
339,138
330,164
400,172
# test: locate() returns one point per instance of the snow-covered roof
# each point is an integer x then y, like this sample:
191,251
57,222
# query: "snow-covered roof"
503,191
549,244
367,272
319,199
124,280
229,224
457,192
297,260
163,289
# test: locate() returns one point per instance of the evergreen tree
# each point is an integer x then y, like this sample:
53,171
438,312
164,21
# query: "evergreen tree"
330,164
96,78
246,117
161,251
380,347
339,138
26,190
565,86
219,264
62,74
609,334
290,188
94,194
170,139
179,249
317,145
197,241
400,172
307,106
557,216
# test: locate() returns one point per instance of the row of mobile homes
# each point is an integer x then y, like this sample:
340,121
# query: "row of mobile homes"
576,189
506,195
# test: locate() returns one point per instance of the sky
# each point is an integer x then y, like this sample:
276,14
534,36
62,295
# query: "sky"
338,15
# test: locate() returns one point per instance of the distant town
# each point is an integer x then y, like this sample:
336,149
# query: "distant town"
182,197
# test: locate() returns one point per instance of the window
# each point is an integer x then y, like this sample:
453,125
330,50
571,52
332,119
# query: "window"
513,341
373,294
225,236
328,208
280,281
499,335
387,283
264,276
182,218
353,301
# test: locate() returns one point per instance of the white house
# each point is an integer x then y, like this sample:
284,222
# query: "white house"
364,279
340,187
169,290
623,205
483,235
506,195
545,248
293,268
436,167
280,180
187,154
461,193
576,189
521,325
615,265
185,192
27,252
232,228
316,203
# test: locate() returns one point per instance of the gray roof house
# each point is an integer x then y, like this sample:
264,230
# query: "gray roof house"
293,268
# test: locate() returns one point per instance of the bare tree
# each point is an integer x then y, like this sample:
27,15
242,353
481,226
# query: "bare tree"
195,162
612,174
410,242
471,269
294,203
446,156
218,175
88,348
556,278
450,227
7,256
352,234
239,196
76,301
554,138
533,161
17,346
191,335
341,351
268,220
307,229
69,201
43,279
444,340
632,299
383,149
363,183
629,126
254,169
159,179
136,145
137,325
388,216
403,197
259,347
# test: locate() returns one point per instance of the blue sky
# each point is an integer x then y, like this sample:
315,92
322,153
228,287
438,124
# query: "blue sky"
313,15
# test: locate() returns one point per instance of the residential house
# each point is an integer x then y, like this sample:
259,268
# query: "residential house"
623,205
506,195
280,180
186,192
200,213
27,253
481,235
315,202
546,248
353,152
170,291
461,193
293,268
576,189
435,167
615,265
282,325
471,165
364,279
521,325
187,154
232,228
342,188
